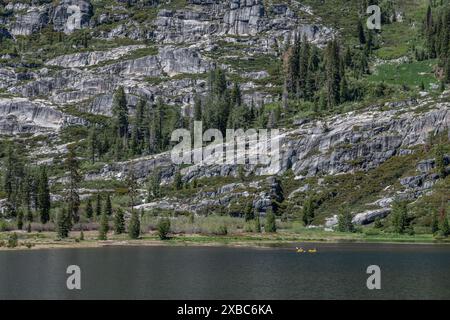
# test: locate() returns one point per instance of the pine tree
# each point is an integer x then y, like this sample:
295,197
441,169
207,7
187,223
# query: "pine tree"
163,228
119,222
236,98
178,182
44,196
120,112
197,108
360,31
434,224
134,226
400,216
98,206
270,225
154,188
333,73
108,206
20,220
73,198
377,223
93,144
104,227
345,223
131,188
444,227
89,210
29,215
257,223
248,212
308,212
440,161
63,223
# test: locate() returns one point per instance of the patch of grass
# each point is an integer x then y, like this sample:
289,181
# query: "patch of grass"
411,74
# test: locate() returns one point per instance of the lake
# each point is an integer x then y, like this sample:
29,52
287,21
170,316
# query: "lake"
335,271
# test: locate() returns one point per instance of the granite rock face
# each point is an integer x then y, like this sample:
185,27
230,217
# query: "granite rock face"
24,116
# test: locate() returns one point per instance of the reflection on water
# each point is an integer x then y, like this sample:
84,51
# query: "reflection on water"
335,271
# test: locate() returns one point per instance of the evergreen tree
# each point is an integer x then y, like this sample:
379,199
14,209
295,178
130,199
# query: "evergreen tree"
377,223
154,188
178,182
308,211
44,196
98,206
345,223
20,220
93,144
197,108
29,215
440,161
257,223
134,226
131,188
108,206
400,216
163,228
236,98
360,31
248,212
444,227
63,223
333,73
120,112
434,224
270,225
104,227
73,198
89,210
119,222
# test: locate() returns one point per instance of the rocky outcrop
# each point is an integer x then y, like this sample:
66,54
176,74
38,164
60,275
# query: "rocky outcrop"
370,216
32,20
23,116
65,16
70,15
85,59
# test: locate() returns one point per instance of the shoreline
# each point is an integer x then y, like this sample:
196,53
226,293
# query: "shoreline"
209,241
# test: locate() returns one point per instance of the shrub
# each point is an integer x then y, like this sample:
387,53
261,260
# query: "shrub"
345,221
13,240
257,224
222,230
163,228
134,226
104,227
270,225
119,222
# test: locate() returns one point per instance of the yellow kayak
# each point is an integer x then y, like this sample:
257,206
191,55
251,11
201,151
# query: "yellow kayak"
301,250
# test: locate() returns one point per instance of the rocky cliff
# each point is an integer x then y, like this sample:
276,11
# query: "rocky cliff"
162,50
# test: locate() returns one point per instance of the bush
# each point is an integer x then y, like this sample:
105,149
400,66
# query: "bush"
371,232
13,240
222,230
163,228
134,226
270,225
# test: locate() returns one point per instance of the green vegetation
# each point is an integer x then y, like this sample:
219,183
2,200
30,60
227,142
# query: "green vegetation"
411,74
134,226
163,228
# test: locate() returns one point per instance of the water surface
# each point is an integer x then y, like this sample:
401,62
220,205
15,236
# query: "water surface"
336,271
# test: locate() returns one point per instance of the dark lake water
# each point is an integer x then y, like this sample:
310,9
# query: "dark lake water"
336,271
